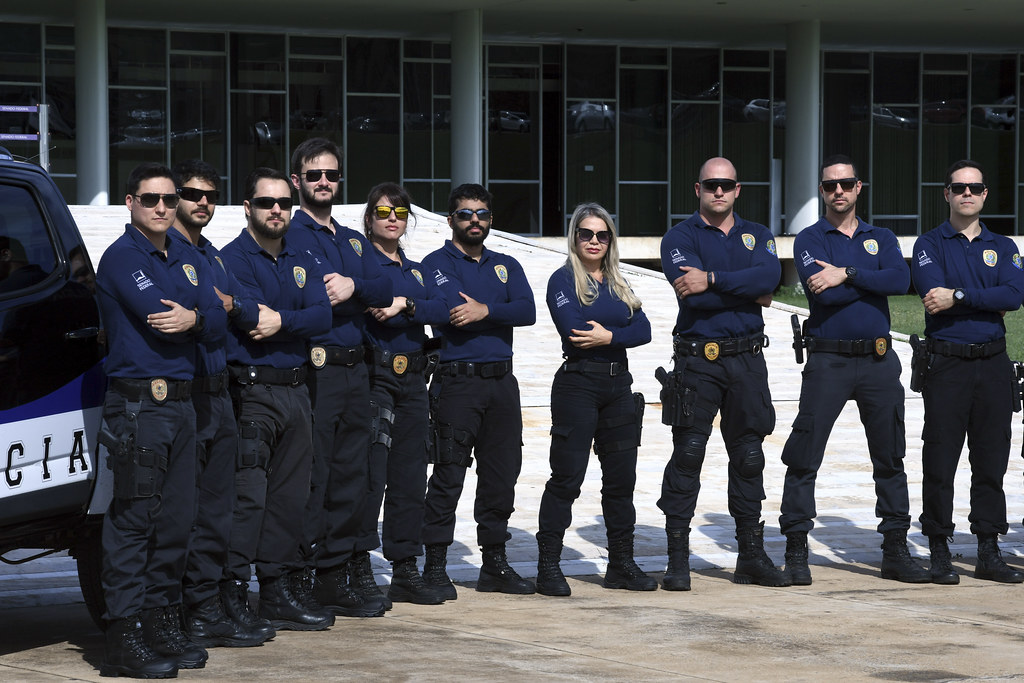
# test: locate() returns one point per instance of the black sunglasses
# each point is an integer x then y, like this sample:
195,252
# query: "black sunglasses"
712,184
267,203
846,183
194,194
314,174
959,188
467,214
149,200
586,234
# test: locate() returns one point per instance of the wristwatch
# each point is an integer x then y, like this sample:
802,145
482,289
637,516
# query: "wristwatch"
235,310
410,307
959,295
851,273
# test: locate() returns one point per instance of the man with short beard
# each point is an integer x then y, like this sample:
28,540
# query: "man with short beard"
474,395
268,373
338,540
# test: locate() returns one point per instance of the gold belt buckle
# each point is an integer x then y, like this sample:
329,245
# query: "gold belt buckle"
158,389
712,350
318,356
400,363
881,346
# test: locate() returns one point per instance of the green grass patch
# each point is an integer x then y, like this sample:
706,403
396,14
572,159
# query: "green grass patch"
907,315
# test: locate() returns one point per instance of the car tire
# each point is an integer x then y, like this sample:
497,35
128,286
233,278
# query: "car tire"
88,554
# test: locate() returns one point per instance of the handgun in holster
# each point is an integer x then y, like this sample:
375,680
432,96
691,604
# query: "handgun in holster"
798,338
920,363
676,410
1018,385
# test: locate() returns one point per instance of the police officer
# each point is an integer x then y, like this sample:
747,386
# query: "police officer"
340,388
398,396
475,393
216,429
723,270
598,317
268,374
848,269
155,306
967,277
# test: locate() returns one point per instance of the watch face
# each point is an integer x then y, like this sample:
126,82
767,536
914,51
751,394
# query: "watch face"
958,294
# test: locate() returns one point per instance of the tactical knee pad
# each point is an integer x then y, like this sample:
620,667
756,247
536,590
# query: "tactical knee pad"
751,462
689,456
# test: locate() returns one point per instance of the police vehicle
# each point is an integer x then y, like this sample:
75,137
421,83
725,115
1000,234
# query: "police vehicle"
54,489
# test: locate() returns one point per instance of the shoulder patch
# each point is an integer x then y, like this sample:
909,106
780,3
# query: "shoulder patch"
871,246
191,274
502,273
561,299
770,246
1016,261
923,259
142,280
990,258
300,276
357,246
439,277
806,258
676,255
418,275
748,241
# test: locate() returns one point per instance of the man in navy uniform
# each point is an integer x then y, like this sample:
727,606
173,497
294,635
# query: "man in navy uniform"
723,270
967,277
268,384
155,306
848,269
474,394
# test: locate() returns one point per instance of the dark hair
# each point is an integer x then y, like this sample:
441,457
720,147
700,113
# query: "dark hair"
837,160
259,174
199,169
396,194
963,163
468,191
311,149
145,172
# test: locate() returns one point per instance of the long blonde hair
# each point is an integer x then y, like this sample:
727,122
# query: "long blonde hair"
586,284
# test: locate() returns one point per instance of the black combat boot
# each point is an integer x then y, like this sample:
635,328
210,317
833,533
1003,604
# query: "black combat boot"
208,626
623,571
677,574
285,611
161,627
435,573
990,562
550,580
408,586
234,595
334,593
753,564
360,578
497,576
129,655
897,564
941,569
302,583
796,558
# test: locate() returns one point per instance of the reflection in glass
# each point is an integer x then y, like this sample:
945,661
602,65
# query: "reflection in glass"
694,141
257,135
137,56
643,129
315,106
643,209
695,74
198,109
257,61
934,209
588,71
373,66
513,139
845,123
590,154
60,95
896,77
754,201
373,147
516,207
20,47
746,126
894,167
138,132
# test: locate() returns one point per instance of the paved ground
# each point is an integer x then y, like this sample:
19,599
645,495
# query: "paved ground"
849,625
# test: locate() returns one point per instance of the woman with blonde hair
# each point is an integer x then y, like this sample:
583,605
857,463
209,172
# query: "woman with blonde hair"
598,317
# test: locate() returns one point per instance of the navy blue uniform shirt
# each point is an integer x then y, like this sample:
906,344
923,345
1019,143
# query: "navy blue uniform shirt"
132,278
568,314
496,280
402,334
293,286
346,252
746,266
988,269
858,308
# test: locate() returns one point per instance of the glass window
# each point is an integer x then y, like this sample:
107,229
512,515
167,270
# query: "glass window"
20,49
138,132
373,144
199,109
894,168
63,36
416,49
746,58
694,141
257,128
934,209
27,255
516,207
60,95
137,56
316,107
373,65
590,153
846,126
896,77
194,41
993,78
20,123
945,62
418,117
590,72
644,209
753,202
943,127
695,74
748,115
317,46
513,138
644,56
257,61
513,54
643,129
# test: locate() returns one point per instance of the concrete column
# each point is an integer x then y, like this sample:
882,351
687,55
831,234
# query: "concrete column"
803,123
91,119
467,97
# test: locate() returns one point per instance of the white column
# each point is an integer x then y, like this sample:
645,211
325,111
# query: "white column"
91,120
467,97
803,124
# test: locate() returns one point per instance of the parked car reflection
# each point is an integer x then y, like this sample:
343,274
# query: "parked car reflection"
582,117
762,109
893,117
503,119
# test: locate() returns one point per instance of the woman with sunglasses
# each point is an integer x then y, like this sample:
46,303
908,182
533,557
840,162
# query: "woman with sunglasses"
598,317
398,395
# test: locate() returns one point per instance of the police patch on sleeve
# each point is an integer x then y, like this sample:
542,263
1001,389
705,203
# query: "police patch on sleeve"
439,277
676,256
923,259
1016,261
502,273
748,241
190,273
989,257
418,275
806,258
770,246
871,246
561,299
356,245
300,276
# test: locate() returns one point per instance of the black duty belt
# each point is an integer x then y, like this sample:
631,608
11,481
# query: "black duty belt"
211,384
398,363
320,356
496,369
986,350
878,346
595,367
159,389
712,349
265,374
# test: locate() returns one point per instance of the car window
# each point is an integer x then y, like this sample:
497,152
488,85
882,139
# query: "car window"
27,255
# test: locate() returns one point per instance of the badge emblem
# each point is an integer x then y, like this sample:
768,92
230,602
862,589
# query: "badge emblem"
191,274
502,272
711,350
418,275
1016,261
881,346
990,258
749,241
770,246
158,389
871,246
400,364
356,245
300,276
318,356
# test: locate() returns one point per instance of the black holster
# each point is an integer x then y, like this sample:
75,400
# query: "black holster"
446,445
920,363
676,399
137,470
